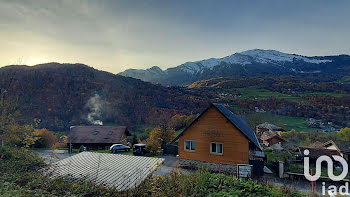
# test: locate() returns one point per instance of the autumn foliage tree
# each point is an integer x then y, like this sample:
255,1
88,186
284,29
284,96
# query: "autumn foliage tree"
344,134
178,122
62,142
159,136
46,138
11,132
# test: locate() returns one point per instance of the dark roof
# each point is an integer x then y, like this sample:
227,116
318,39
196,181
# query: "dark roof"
318,152
97,134
343,146
316,144
237,120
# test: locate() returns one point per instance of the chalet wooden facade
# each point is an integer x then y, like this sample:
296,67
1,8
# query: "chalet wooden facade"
217,136
97,137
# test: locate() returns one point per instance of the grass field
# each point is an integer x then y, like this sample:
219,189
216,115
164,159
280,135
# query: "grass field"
288,123
253,92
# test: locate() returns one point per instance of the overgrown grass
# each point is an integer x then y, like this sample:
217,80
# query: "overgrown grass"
19,176
203,183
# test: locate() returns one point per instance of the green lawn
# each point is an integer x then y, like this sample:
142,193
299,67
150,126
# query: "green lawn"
258,93
288,123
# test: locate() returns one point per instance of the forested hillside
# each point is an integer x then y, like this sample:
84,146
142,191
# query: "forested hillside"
62,95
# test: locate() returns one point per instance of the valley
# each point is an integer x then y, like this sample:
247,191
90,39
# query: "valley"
284,101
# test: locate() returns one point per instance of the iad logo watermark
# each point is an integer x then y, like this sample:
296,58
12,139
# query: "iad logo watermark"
332,189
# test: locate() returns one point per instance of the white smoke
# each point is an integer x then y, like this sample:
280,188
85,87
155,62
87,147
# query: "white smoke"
95,105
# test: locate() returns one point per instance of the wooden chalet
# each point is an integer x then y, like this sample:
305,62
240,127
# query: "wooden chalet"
97,137
218,136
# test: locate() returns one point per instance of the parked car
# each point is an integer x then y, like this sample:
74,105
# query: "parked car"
119,148
139,149
82,149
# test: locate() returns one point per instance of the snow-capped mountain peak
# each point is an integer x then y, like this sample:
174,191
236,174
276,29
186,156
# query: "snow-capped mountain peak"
247,57
266,56
254,62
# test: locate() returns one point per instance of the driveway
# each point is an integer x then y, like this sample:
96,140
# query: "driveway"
170,163
52,156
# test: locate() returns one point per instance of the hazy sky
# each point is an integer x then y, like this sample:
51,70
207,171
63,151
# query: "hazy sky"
116,35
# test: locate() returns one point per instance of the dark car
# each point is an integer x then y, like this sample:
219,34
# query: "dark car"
139,149
119,148
82,149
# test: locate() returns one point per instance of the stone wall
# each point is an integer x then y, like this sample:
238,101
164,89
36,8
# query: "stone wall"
212,167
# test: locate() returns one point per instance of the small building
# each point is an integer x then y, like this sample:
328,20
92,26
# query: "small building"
97,137
217,136
343,147
267,127
270,138
315,153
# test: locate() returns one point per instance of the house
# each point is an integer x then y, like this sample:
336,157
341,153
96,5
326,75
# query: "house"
217,136
97,137
267,127
270,138
315,153
343,147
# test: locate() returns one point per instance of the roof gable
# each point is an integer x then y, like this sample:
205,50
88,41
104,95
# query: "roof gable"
236,120
97,134
341,146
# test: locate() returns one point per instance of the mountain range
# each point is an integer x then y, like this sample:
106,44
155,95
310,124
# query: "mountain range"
251,63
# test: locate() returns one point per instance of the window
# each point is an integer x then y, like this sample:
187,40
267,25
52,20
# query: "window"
190,145
95,133
110,132
216,148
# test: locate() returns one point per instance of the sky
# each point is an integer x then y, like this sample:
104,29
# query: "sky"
115,35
